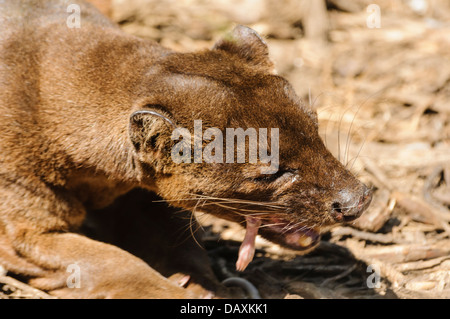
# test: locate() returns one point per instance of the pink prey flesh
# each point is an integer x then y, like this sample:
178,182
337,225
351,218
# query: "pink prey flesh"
247,249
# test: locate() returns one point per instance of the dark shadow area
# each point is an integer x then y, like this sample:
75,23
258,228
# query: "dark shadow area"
164,237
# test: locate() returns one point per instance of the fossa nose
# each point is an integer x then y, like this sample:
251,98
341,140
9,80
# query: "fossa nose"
348,205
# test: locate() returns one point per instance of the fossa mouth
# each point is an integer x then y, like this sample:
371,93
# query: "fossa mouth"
297,237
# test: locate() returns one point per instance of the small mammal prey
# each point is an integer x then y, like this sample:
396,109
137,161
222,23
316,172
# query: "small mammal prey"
87,117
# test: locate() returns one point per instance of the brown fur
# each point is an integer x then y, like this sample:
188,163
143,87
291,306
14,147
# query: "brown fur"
69,144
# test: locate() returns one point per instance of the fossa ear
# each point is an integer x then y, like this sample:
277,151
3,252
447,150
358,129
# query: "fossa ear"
247,44
149,129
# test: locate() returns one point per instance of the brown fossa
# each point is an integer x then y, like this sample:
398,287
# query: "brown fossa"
86,117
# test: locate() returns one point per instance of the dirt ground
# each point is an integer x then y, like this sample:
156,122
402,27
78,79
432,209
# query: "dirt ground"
382,91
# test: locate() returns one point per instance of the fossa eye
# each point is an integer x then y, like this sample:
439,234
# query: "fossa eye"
269,178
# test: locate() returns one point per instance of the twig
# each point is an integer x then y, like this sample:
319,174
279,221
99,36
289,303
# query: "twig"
313,268
21,290
415,205
378,213
380,238
403,253
373,169
339,276
428,187
419,265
